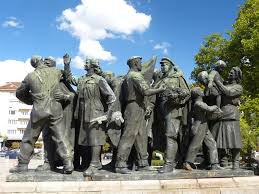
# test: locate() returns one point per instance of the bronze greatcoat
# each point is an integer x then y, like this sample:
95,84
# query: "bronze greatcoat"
94,97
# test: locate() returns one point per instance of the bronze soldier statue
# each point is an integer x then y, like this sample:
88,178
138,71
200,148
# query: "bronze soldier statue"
38,88
134,89
94,102
51,159
171,104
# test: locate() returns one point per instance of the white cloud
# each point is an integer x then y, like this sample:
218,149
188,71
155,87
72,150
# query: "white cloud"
14,71
162,46
12,22
78,62
96,20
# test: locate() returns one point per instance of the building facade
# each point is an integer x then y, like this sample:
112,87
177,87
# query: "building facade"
14,114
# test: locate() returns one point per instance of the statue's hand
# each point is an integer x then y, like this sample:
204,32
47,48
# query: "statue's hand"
162,88
66,59
70,97
117,118
148,112
214,108
58,95
210,85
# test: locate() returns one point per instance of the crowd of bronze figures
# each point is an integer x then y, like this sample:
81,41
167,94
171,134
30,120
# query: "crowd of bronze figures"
142,111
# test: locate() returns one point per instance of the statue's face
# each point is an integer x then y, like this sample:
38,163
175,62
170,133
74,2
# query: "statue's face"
165,67
204,80
221,68
98,71
86,66
33,63
138,64
201,93
232,75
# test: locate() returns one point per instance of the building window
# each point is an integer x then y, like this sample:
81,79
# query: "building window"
25,113
11,112
11,131
12,122
21,130
24,122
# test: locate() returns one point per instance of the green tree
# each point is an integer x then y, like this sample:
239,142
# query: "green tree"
213,49
242,43
249,124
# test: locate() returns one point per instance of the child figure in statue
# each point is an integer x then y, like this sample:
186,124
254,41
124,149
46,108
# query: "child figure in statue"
212,87
200,131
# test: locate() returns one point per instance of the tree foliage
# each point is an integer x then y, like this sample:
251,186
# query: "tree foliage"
242,43
249,124
213,49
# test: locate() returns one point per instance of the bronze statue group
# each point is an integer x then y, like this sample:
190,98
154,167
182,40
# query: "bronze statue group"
142,111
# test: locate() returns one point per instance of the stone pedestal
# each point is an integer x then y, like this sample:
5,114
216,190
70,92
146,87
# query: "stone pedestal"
103,175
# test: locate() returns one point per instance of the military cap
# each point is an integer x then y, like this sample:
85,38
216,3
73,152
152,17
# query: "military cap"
95,62
166,60
36,57
36,60
133,58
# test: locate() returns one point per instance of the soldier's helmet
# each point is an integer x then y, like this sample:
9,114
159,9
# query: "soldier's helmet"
132,59
36,60
94,62
167,61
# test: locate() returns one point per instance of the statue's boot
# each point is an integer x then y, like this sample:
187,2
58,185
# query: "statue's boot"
95,164
123,170
146,168
235,165
19,168
187,166
216,167
166,168
45,166
91,170
171,150
235,156
68,167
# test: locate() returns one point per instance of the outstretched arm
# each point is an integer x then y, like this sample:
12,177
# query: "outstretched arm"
234,90
205,107
67,71
144,88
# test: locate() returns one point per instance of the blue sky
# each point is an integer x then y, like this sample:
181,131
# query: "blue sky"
113,30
